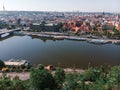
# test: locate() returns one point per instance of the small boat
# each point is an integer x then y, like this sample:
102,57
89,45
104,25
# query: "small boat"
98,41
76,38
16,62
45,35
116,42
59,37
4,35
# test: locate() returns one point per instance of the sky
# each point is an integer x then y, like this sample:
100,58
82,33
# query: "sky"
62,5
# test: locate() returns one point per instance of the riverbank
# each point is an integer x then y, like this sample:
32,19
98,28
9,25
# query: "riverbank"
62,36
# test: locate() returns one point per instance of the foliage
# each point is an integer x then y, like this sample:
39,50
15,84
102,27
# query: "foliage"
113,77
70,82
7,84
1,64
94,78
40,66
106,33
59,77
93,73
58,26
97,85
40,79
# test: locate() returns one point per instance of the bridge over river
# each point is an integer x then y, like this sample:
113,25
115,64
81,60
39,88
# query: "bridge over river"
9,31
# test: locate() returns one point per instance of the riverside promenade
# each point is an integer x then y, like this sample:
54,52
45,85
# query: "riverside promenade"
26,75
57,35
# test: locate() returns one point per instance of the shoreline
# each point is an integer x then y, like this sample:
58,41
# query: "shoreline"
62,36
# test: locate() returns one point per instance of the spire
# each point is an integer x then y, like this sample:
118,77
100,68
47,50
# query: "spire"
3,7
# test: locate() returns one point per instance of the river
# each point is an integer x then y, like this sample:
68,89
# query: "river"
65,53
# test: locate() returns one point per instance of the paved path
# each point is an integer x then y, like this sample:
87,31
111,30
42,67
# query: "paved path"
26,75
22,76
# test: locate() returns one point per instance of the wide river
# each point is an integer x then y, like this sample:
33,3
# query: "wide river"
65,53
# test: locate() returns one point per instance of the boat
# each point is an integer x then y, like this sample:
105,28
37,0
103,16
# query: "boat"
17,62
4,35
116,42
98,41
59,37
45,35
76,38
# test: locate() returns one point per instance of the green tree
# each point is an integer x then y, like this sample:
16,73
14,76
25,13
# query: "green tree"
93,73
70,82
18,84
40,66
59,78
41,79
5,82
1,64
115,30
58,26
113,77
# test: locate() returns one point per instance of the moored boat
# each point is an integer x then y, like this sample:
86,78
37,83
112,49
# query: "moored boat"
76,38
59,37
116,42
17,62
98,41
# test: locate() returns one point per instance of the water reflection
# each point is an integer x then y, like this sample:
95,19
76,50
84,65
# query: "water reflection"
44,39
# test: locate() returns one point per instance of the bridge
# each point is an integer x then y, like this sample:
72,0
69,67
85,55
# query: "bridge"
9,31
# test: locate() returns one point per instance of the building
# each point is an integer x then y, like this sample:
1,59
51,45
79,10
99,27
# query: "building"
46,27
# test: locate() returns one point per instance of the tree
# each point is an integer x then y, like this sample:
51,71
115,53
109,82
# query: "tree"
18,84
104,27
58,26
115,30
40,66
93,73
106,33
41,79
1,64
70,82
5,82
59,78
113,77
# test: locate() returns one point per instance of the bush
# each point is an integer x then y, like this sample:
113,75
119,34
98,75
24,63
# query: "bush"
70,82
1,64
93,73
41,79
59,77
113,77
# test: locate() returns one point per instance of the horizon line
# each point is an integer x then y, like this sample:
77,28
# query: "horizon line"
57,11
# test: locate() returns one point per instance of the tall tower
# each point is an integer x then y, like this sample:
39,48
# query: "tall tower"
3,7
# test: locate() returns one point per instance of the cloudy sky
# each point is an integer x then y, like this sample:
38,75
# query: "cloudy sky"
62,5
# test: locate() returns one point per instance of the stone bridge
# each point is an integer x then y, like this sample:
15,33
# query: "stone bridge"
9,31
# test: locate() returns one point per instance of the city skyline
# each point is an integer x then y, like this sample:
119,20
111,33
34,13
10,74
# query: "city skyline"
61,5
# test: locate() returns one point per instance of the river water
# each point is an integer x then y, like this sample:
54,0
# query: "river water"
65,53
